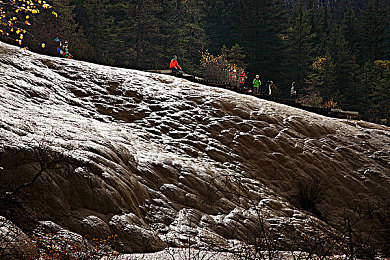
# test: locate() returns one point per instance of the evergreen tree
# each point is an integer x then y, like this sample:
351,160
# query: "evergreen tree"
319,20
224,51
321,79
236,56
257,26
141,32
300,46
324,28
375,31
346,89
264,25
184,30
314,21
227,20
48,27
376,81
98,27
350,29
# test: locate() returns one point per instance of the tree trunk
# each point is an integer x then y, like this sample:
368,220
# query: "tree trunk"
139,33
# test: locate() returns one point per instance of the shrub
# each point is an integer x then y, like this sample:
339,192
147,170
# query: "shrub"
309,195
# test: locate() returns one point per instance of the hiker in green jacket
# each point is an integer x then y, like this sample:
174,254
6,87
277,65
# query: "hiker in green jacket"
256,84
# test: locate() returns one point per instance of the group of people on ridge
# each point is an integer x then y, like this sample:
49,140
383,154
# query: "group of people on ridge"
63,48
232,77
241,77
270,86
257,86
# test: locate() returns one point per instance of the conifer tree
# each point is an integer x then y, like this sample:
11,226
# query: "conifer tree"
98,28
314,21
321,79
263,38
324,28
236,56
125,33
346,89
375,31
143,32
350,30
376,80
300,45
184,31
48,27
221,24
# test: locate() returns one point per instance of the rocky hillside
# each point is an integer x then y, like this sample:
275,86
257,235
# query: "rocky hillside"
159,161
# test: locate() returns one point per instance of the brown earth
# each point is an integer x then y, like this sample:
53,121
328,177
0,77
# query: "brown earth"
161,161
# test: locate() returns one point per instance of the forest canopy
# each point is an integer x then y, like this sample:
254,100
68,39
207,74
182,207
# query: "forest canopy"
337,50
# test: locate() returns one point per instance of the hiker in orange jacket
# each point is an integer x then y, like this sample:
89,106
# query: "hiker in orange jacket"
175,65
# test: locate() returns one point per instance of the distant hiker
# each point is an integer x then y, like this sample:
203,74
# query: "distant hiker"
63,48
58,45
270,87
241,78
293,91
175,66
234,76
266,87
256,84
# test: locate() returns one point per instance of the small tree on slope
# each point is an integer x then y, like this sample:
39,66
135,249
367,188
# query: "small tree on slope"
17,15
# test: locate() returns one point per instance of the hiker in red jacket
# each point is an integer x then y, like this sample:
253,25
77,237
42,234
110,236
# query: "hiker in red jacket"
241,80
175,65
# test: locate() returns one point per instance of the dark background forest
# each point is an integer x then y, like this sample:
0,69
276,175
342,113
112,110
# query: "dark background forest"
333,49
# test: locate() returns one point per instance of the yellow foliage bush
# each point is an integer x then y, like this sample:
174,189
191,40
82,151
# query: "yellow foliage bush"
15,16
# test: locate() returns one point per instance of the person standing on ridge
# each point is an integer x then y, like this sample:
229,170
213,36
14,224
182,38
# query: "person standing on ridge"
63,48
175,66
293,91
58,44
270,87
241,79
234,76
233,79
256,84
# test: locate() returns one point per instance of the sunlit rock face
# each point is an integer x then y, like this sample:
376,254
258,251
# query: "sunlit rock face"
162,161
